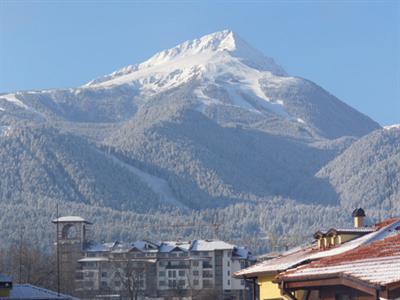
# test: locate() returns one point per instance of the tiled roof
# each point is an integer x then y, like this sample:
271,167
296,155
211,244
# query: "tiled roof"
389,246
382,271
303,255
377,263
386,222
353,230
278,264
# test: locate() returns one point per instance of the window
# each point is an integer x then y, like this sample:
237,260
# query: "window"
207,283
229,282
172,273
103,274
89,274
228,263
161,283
243,264
117,283
161,273
171,283
181,273
228,273
207,274
195,273
196,282
195,263
181,283
103,284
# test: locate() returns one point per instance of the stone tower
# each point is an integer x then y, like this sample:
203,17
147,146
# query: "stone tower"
70,244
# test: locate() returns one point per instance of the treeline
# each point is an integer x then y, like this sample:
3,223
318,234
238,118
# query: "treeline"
268,226
26,262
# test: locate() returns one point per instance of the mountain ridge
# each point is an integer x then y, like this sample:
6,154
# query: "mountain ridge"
203,127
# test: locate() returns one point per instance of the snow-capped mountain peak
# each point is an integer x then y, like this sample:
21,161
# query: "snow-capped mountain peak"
189,56
393,126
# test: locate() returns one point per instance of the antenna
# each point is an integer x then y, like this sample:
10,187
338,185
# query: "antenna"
58,255
21,233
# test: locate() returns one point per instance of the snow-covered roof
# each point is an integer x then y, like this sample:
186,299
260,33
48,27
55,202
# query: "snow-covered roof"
93,259
28,291
5,278
278,264
380,271
210,245
377,262
70,219
352,230
305,254
103,247
344,230
241,253
169,246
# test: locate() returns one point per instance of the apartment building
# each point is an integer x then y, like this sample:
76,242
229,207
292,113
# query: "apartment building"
197,269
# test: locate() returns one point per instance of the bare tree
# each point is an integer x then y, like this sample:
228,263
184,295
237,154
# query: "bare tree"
28,264
132,275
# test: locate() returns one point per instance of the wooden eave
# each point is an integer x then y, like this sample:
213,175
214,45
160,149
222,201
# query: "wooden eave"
308,282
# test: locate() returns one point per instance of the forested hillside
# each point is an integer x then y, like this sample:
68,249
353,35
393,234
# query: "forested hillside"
208,132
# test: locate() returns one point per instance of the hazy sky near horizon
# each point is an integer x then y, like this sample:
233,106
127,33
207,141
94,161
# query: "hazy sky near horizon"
350,48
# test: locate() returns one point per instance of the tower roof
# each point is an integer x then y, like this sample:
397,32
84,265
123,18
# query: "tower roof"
71,219
358,212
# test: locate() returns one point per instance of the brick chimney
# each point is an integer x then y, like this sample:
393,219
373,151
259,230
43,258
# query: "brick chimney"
358,217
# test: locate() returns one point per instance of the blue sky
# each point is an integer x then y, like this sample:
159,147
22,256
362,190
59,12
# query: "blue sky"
352,49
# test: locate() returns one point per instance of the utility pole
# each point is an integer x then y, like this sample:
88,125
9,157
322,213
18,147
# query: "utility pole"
21,234
58,255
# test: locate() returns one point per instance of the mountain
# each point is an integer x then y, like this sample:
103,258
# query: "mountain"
367,173
42,162
231,82
202,130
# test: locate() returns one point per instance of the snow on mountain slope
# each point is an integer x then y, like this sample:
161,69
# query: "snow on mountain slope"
12,98
159,185
394,126
222,58
221,76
